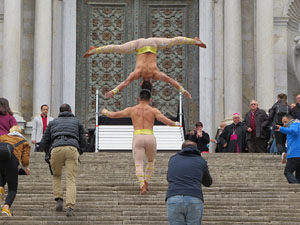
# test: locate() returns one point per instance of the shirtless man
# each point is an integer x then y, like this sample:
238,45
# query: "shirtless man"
144,142
146,66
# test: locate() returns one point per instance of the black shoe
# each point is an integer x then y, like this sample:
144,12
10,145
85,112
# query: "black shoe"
59,205
69,212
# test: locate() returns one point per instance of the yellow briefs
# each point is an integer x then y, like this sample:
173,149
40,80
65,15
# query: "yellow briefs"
143,131
146,49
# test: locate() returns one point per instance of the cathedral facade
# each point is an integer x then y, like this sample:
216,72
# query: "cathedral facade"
253,50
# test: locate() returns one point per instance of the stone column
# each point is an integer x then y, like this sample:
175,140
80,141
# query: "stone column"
42,54
12,55
232,58
264,54
69,52
206,66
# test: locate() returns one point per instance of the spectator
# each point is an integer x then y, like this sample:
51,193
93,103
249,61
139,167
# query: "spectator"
65,137
39,125
296,108
218,140
90,146
187,170
278,110
7,120
234,135
292,130
255,120
9,168
200,137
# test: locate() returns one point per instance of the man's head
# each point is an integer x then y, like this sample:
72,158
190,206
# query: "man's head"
145,94
253,105
199,125
286,118
65,108
298,98
44,110
223,125
282,96
236,118
188,143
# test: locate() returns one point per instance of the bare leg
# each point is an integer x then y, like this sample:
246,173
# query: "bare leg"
164,77
169,42
132,76
126,48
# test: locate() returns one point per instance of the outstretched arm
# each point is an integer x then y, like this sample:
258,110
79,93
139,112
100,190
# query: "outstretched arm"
164,77
119,114
169,42
132,76
160,117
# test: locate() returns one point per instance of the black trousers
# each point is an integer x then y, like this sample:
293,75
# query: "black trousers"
292,165
9,175
280,141
256,145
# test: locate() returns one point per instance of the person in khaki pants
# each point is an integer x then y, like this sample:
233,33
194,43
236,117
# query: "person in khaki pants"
65,137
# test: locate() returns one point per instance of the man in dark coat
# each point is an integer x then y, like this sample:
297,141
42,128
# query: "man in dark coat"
234,136
278,110
254,120
199,136
187,171
296,109
66,137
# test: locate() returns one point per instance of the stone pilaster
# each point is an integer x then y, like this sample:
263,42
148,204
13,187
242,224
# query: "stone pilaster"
206,65
264,54
69,52
42,54
12,54
232,57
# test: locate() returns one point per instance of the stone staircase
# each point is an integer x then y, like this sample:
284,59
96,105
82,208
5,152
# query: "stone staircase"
247,189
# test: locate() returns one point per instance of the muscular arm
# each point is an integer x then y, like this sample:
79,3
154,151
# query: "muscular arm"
160,117
164,77
132,76
119,114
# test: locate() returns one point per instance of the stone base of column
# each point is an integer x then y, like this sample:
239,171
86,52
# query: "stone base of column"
20,120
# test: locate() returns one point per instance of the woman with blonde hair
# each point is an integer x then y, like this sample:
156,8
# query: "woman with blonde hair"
9,167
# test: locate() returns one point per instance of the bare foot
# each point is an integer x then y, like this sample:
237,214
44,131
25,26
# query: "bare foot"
187,94
88,52
109,94
201,44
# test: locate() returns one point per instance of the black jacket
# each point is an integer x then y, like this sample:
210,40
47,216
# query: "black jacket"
187,170
273,115
240,129
296,111
201,141
261,118
66,130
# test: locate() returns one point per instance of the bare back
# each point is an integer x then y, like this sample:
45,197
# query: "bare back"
146,66
142,116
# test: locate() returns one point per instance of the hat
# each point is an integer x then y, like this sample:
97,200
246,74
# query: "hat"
15,128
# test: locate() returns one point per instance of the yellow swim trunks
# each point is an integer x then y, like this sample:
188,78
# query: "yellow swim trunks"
143,131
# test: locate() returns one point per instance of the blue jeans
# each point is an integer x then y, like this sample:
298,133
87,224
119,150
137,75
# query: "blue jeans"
184,210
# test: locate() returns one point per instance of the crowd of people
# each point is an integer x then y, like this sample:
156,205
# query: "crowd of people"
255,134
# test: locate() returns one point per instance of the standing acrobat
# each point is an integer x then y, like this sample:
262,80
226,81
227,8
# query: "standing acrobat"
146,66
144,142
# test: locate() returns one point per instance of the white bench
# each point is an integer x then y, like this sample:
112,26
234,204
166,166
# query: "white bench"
119,137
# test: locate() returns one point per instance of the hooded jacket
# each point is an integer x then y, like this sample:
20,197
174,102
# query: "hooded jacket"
187,170
292,132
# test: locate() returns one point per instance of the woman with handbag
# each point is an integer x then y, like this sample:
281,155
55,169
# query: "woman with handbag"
9,167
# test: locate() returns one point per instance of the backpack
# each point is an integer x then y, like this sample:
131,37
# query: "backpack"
280,111
6,150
